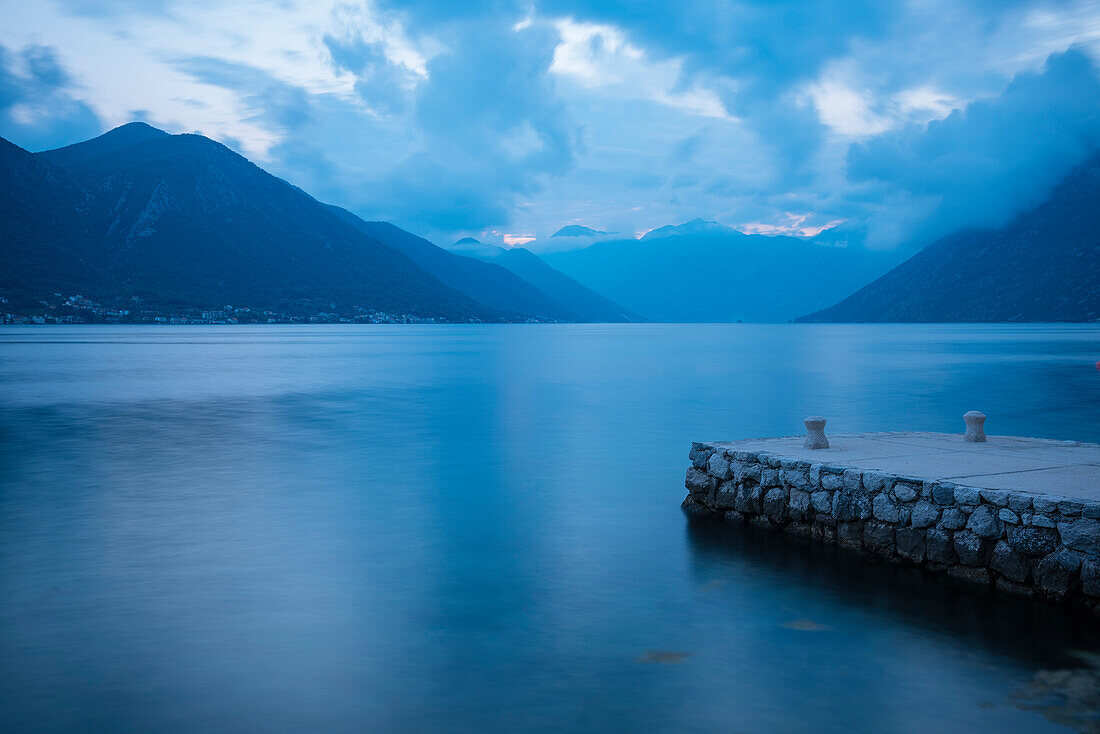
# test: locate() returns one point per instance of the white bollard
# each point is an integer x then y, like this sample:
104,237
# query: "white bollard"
975,427
815,433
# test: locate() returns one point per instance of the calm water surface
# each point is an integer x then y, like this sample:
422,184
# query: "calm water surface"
477,528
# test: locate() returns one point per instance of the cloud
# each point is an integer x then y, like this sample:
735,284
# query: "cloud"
270,100
518,115
37,106
980,165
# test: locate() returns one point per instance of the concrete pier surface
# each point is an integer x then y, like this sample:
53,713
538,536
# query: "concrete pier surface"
1022,514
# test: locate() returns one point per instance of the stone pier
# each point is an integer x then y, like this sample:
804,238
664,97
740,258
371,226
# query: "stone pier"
1021,514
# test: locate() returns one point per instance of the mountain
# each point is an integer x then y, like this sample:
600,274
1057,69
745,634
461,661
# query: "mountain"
696,227
1044,265
180,220
110,142
704,271
486,283
47,219
587,304
576,230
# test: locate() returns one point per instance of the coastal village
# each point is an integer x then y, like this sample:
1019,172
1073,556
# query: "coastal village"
77,309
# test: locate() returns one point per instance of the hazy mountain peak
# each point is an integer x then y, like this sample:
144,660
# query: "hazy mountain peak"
578,230
696,226
467,241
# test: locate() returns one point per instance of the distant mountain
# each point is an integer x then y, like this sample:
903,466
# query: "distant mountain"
1042,266
587,304
705,271
486,283
577,230
696,227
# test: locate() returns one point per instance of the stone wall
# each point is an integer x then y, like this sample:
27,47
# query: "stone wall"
1025,543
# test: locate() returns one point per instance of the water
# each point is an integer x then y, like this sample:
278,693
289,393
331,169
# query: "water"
456,528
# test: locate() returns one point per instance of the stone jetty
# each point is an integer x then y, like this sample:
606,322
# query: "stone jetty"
1020,514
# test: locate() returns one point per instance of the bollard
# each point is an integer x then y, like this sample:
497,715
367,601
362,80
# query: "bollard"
975,427
815,433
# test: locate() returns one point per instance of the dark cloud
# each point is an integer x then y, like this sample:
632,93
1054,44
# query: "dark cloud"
37,107
979,166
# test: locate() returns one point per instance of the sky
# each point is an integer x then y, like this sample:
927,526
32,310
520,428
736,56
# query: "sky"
893,122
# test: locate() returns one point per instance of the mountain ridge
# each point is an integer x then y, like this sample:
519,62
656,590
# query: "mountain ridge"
593,306
1044,265
708,272
183,219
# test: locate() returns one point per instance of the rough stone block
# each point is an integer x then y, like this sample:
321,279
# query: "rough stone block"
876,481
924,515
822,501
1082,534
885,508
973,550
725,498
769,477
1090,577
943,494
830,482
733,516
1019,502
797,478
775,503
1008,516
699,455
852,480
905,491
743,472
953,519
750,499
878,537
997,497
1052,578
984,523
799,504
848,506
719,467
910,544
967,495
939,547
1032,541
699,483
1045,505
1042,521
1007,562
1070,559
1069,508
